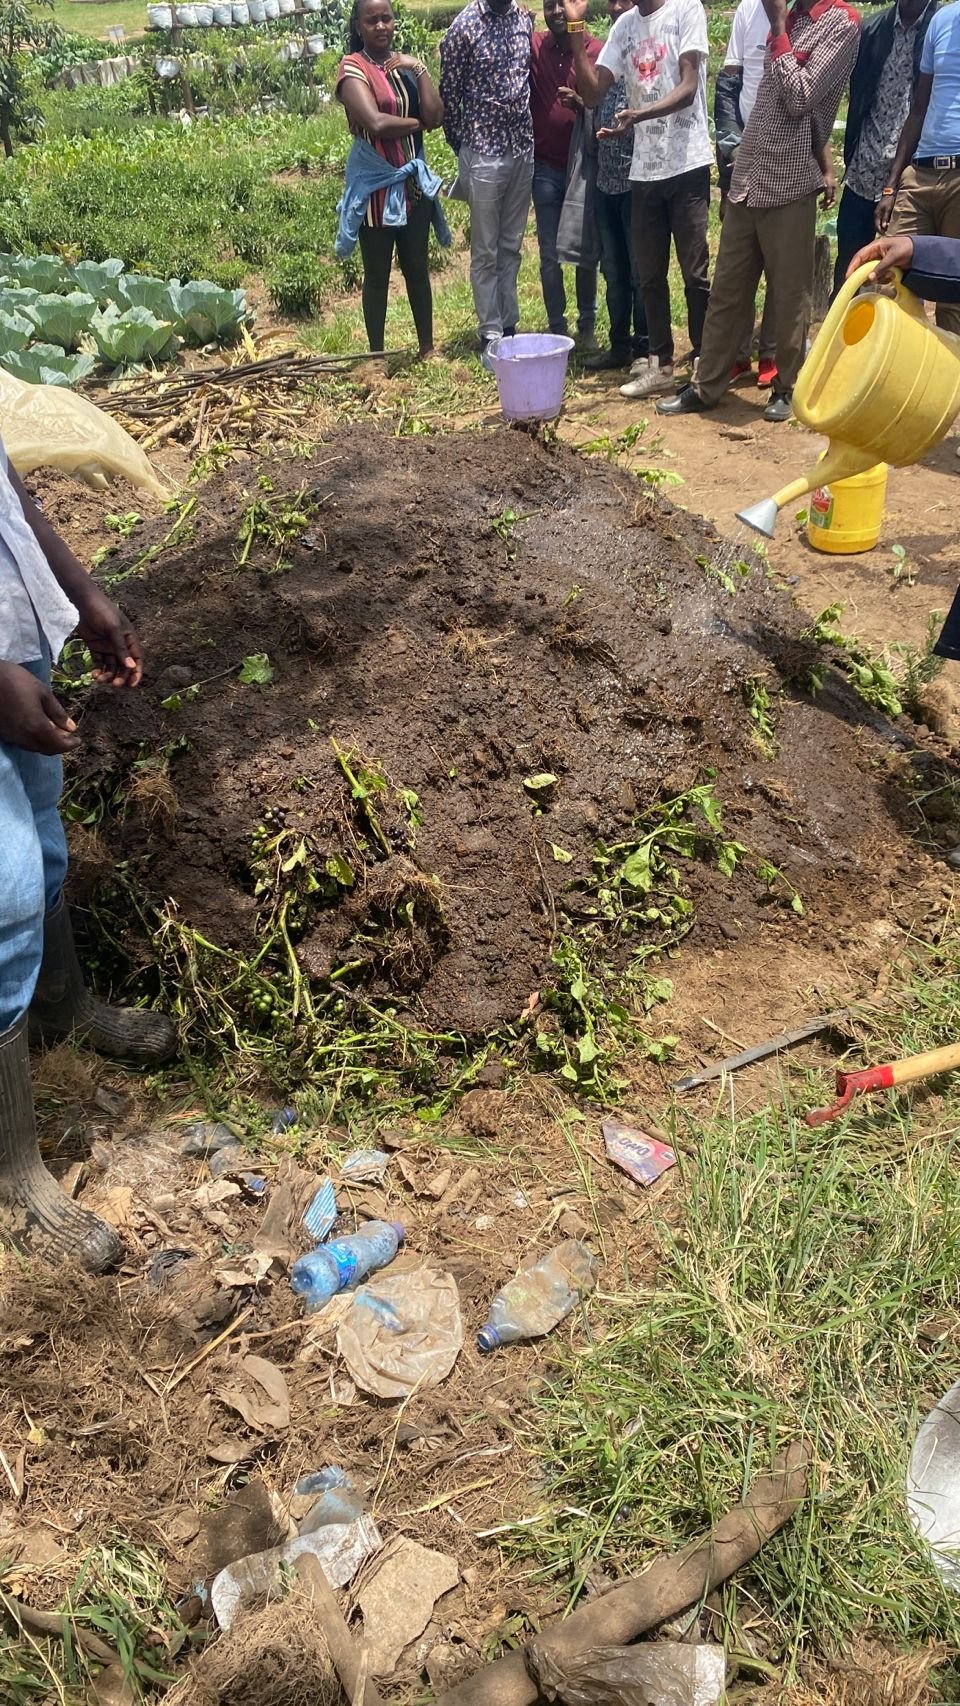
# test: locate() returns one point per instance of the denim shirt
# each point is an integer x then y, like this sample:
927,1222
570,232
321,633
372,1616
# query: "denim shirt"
366,172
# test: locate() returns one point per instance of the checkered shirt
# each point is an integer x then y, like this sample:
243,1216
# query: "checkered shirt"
805,74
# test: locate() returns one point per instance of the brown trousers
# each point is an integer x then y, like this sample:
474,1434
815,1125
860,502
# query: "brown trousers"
929,206
780,242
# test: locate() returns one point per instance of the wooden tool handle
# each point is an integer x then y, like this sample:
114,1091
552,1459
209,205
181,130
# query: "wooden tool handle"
925,1065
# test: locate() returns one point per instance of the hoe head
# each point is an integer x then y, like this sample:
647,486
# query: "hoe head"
846,1084
762,517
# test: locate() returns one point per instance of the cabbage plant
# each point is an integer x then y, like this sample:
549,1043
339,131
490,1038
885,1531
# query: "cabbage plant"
206,313
139,290
62,319
134,335
39,272
98,278
15,332
45,364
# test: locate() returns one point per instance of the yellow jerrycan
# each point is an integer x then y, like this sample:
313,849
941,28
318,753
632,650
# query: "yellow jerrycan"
880,383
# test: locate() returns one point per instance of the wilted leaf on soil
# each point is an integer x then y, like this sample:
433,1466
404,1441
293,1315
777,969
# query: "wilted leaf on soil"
261,1398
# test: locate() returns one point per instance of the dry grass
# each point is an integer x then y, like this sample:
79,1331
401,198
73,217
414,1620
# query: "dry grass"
275,1657
152,797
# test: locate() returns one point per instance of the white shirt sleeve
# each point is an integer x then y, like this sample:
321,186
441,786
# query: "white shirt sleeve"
735,44
693,29
614,53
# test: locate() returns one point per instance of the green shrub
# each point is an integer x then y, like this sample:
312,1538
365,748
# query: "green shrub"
298,285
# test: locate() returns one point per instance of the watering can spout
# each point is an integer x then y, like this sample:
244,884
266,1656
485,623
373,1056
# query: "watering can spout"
838,463
879,383
762,517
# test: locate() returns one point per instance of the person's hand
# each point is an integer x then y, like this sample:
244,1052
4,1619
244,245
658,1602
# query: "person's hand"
575,10
31,716
828,194
888,252
570,98
624,121
111,639
884,214
403,62
776,11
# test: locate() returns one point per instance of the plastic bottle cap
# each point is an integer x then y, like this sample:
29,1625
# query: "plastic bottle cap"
488,1339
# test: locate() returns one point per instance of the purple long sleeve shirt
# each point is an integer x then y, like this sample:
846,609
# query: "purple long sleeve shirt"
485,81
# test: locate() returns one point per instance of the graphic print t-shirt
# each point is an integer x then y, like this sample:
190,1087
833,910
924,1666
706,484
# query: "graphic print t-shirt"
645,52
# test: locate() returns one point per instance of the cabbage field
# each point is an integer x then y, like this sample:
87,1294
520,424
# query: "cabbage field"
58,323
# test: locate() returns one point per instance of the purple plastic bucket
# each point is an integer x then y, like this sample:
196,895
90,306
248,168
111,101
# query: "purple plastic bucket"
530,370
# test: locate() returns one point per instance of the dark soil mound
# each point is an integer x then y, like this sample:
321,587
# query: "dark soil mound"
460,615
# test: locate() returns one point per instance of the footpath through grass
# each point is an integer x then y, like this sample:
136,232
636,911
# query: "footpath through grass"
806,1284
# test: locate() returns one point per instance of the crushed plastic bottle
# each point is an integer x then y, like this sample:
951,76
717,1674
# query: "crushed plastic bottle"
321,1273
339,1501
540,1296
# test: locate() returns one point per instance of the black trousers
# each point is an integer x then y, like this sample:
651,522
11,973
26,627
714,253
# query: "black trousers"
412,243
856,226
675,208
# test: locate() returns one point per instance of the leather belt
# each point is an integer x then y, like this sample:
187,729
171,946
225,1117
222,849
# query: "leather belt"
940,162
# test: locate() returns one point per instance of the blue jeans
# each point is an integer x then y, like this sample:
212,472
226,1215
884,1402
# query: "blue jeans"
33,864
549,184
628,322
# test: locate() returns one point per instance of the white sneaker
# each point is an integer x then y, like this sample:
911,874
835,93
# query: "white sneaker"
639,366
653,380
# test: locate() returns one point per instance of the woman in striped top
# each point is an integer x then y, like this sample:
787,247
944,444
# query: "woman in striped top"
390,100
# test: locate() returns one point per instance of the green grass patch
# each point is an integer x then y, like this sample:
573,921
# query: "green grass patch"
803,1283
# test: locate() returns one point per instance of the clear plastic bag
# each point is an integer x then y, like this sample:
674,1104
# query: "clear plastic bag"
46,426
402,1332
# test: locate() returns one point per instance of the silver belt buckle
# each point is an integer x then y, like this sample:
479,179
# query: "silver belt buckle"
943,162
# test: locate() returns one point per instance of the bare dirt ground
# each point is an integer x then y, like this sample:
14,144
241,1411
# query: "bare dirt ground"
121,1439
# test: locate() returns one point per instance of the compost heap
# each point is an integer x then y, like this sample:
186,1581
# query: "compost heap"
460,618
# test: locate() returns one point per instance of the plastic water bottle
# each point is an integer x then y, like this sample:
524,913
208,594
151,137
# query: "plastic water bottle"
540,1296
321,1273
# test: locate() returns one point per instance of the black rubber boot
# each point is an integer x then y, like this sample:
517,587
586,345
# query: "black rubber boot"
35,1215
63,1007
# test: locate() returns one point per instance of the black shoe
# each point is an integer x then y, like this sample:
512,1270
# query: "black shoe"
780,406
686,402
509,331
607,360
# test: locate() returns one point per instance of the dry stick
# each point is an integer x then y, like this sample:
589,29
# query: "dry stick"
348,1662
53,1623
207,1350
667,1588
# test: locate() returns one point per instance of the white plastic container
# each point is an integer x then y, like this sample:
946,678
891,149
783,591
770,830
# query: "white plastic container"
166,68
257,12
241,12
287,8
272,9
186,17
160,17
223,16
315,45
204,16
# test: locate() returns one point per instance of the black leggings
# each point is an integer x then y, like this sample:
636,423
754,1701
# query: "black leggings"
413,246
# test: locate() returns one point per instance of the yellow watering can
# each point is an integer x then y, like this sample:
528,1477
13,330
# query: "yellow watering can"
880,382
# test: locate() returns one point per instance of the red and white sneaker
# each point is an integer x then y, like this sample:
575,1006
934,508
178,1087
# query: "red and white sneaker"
766,373
740,370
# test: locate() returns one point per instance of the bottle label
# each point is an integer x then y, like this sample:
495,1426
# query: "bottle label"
821,507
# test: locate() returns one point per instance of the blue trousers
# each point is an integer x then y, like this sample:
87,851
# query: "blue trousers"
549,184
628,322
33,864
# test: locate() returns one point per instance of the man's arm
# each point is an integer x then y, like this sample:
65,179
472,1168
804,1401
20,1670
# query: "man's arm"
906,148
453,64
826,70
106,631
592,80
930,265
681,95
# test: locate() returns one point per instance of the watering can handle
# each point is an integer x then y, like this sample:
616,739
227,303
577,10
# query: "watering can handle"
855,282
